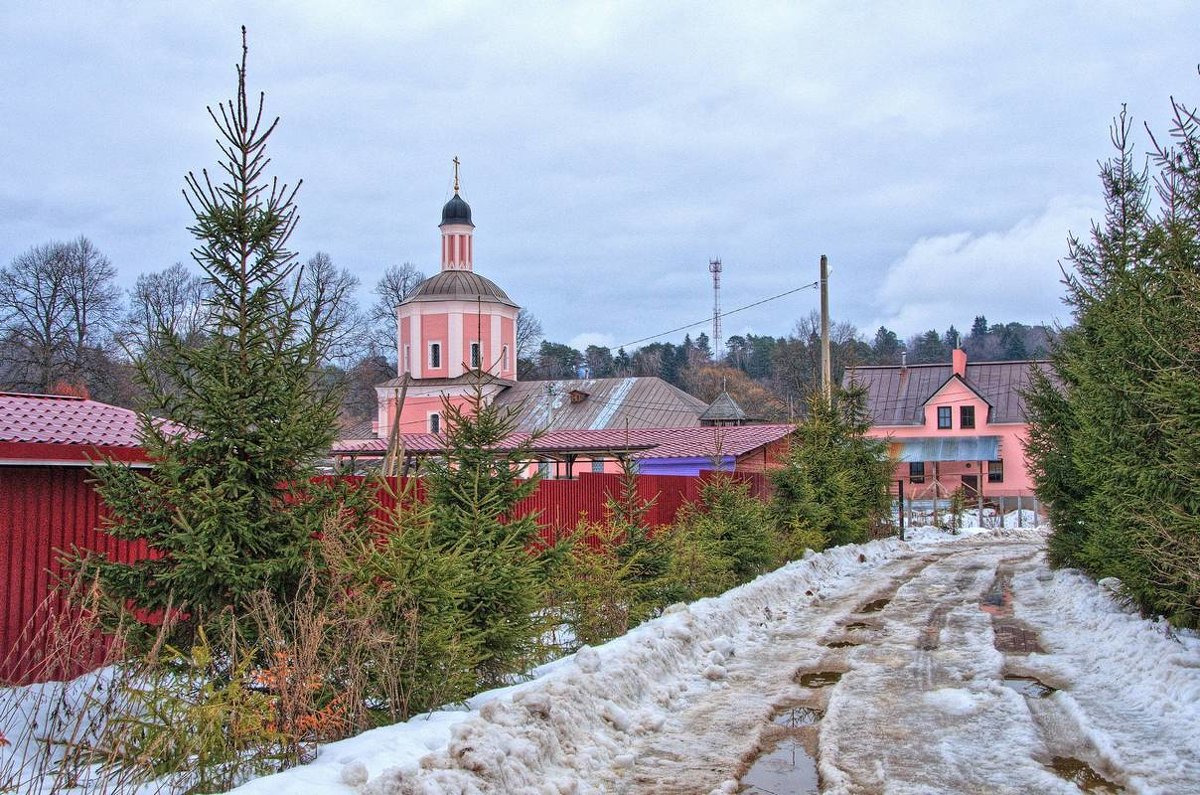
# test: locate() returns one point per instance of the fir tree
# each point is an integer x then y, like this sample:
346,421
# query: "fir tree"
473,490
230,506
1114,447
833,487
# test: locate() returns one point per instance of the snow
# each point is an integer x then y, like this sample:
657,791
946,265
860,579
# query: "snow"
680,703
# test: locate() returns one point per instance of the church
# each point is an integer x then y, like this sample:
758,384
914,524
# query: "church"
458,329
456,332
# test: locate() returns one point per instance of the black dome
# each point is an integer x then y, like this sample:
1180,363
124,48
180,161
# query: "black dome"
460,286
456,211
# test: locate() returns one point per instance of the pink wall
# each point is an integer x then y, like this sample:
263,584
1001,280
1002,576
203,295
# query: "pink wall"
955,394
435,327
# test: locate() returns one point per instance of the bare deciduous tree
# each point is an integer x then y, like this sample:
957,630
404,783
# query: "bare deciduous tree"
171,300
330,311
58,307
397,284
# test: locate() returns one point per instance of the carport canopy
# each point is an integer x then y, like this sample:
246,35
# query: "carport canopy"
946,448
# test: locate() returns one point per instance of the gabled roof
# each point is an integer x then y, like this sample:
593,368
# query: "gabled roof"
59,428
693,442
610,403
724,408
956,377
897,395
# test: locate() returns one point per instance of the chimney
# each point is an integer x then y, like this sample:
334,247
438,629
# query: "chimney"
903,360
959,358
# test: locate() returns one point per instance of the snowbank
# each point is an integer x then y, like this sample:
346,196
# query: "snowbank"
575,722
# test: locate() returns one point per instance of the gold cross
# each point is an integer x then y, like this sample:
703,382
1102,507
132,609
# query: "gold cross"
455,161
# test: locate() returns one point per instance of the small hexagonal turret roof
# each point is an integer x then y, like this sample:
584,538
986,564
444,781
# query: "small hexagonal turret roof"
456,211
459,286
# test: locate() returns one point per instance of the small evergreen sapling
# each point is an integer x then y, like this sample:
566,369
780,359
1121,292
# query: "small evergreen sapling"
473,491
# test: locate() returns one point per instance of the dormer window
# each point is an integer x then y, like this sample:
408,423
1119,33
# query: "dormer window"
578,395
945,417
966,416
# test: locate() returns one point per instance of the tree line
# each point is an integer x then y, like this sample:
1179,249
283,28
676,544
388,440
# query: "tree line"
771,377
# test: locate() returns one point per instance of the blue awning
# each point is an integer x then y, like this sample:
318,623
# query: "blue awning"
946,448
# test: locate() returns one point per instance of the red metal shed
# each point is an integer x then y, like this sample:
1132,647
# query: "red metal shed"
48,506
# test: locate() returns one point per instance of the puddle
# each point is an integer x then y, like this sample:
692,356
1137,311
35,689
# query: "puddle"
841,644
795,717
1029,686
820,678
1082,775
875,607
855,625
788,767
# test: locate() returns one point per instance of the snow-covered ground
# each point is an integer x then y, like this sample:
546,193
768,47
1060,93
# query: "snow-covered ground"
923,633
683,703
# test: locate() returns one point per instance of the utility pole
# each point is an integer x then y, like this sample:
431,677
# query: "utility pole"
826,365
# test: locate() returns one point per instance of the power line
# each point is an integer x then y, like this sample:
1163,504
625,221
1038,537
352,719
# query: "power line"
707,320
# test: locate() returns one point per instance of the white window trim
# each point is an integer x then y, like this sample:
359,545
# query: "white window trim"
504,358
475,355
408,358
429,420
429,355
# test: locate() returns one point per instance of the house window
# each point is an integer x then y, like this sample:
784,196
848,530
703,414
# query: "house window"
504,358
597,465
916,472
544,469
475,357
966,417
407,358
995,471
435,355
435,423
945,418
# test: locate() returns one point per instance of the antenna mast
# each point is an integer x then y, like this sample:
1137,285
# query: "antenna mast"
714,267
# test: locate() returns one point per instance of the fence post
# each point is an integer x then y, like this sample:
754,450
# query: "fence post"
900,505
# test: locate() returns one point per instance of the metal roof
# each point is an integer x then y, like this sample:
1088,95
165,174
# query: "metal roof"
724,407
691,442
458,286
897,395
616,403
946,448
60,419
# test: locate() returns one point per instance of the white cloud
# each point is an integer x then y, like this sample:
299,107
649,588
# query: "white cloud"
1009,275
580,342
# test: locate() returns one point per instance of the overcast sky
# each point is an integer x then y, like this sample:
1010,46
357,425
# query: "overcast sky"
938,153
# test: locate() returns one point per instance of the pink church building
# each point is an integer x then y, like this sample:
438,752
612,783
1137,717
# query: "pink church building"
953,425
455,327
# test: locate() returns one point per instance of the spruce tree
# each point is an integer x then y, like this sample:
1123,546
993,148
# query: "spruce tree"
833,487
1114,446
473,490
230,506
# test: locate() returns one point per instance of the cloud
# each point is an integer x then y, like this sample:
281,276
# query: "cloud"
1010,274
580,342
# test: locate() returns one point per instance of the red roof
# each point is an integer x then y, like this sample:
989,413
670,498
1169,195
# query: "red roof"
65,428
688,442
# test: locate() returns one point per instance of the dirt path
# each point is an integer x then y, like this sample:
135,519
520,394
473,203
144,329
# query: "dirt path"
961,666
913,679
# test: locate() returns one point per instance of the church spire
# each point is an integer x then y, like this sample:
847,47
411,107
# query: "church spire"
456,226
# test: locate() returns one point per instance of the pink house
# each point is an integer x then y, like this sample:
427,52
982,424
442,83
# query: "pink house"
951,426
